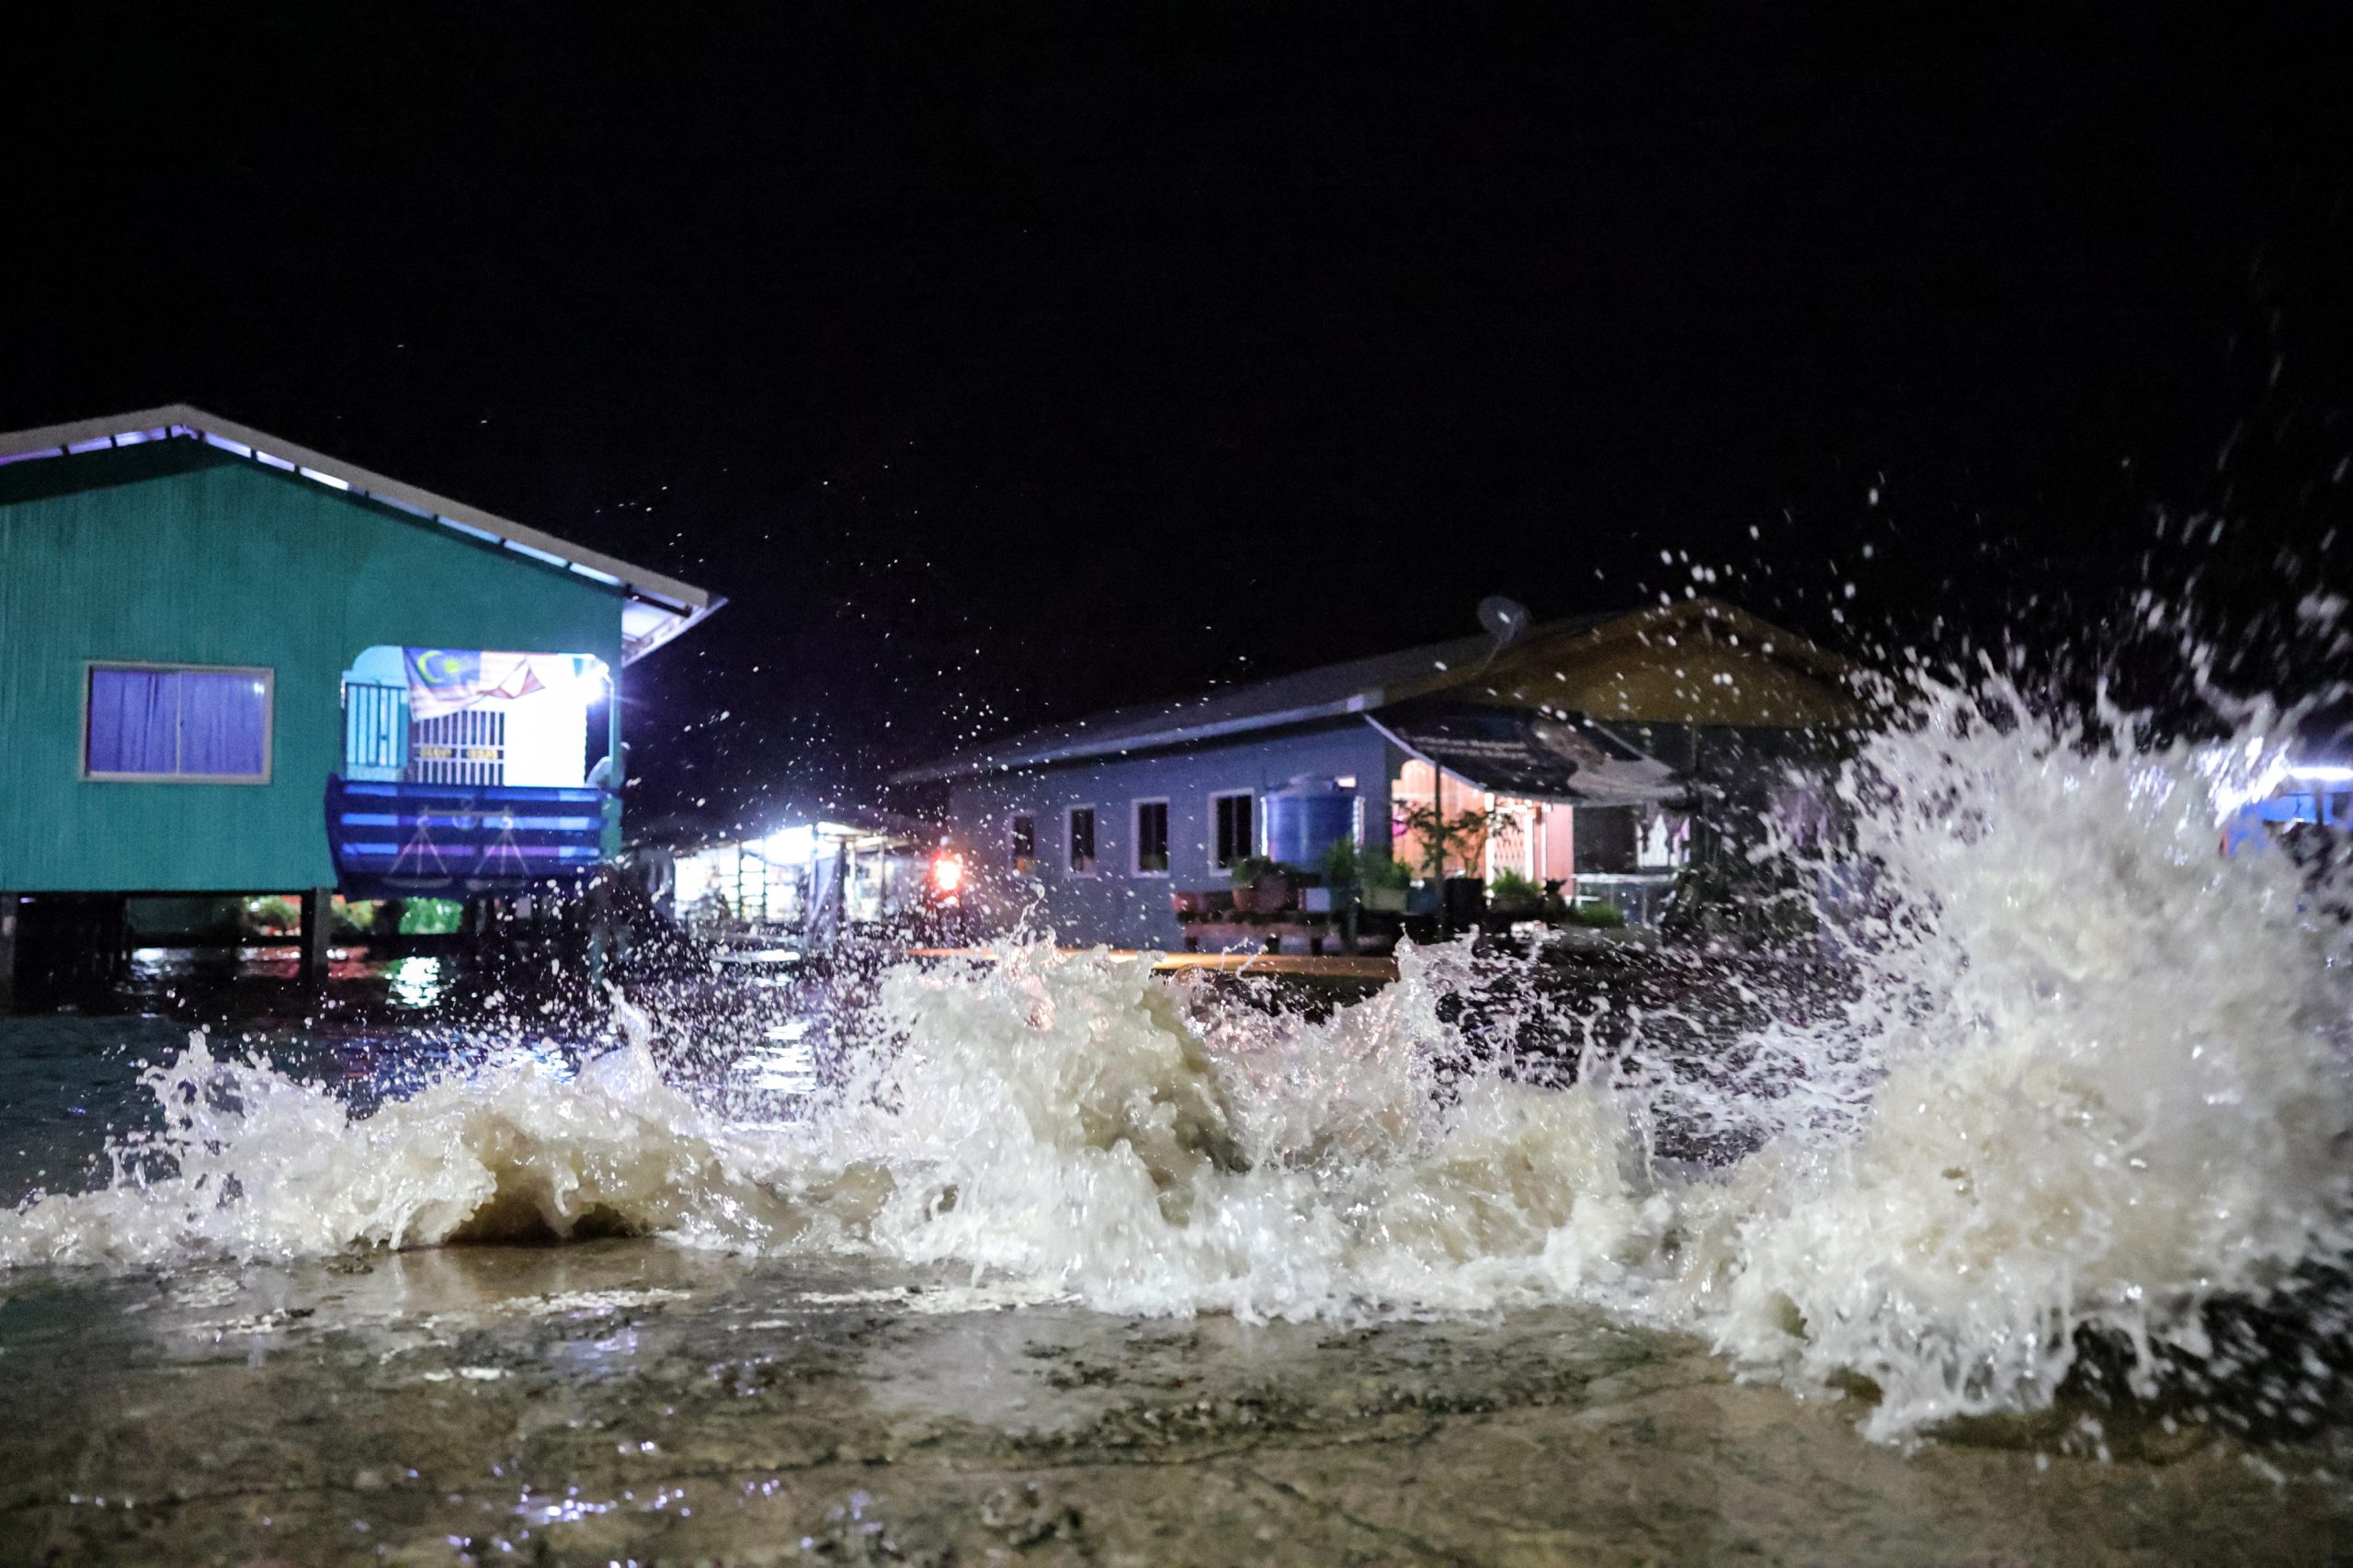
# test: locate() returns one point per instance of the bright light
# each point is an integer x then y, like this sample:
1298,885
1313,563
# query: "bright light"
791,845
590,680
2322,773
946,873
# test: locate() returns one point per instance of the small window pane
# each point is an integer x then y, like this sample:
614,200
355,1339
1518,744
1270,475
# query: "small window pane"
224,724
1232,829
1152,836
135,721
1025,841
1082,839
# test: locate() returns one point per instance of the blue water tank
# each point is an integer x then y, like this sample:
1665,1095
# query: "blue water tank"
1305,817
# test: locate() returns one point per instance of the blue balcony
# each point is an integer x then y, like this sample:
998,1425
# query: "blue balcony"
395,838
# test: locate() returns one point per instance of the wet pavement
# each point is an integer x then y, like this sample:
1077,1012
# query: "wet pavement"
629,1400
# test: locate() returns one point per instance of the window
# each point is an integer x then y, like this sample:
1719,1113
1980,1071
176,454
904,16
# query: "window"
1233,839
1152,838
1082,841
187,723
1023,832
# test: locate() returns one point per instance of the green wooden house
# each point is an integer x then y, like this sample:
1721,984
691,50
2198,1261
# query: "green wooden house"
231,665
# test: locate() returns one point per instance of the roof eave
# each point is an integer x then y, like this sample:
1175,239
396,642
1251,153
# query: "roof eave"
1150,740
683,602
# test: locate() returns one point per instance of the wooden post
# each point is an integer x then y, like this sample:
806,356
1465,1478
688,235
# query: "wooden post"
7,953
317,917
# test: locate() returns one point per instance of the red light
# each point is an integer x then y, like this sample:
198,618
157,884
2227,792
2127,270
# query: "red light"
946,874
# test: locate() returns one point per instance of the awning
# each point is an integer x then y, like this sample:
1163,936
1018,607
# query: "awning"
1509,751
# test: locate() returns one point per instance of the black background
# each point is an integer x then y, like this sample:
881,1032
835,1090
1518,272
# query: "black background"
998,363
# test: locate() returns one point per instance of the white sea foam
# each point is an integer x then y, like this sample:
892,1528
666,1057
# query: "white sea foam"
252,1162
2092,1073
2095,1074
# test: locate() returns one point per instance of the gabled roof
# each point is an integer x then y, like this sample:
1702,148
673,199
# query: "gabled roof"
1518,675
655,608
1356,686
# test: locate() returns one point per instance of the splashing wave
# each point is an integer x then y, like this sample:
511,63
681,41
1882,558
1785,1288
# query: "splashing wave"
2089,1074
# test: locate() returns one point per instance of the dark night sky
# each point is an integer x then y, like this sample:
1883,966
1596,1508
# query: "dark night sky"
1000,363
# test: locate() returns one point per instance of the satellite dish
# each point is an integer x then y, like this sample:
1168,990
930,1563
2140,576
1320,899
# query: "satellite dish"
1505,620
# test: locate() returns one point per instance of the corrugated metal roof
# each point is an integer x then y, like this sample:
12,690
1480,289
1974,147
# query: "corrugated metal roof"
659,607
1534,671
1355,685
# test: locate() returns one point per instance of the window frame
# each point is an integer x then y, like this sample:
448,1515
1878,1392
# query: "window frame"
1069,845
1208,843
1025,866
161,667
1135,838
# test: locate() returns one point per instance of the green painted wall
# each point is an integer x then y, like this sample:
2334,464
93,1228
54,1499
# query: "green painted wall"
177,552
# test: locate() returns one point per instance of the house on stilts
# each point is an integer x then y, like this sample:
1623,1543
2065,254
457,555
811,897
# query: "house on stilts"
230,664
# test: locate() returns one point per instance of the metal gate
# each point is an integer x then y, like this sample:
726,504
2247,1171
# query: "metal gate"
465,747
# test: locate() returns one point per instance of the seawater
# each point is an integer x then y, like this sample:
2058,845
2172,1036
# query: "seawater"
2083,1087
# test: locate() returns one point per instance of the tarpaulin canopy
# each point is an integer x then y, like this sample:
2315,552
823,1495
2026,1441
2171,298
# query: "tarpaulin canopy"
1508,751
444,680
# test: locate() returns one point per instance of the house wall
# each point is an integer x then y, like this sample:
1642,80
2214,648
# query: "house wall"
1116,905
177,553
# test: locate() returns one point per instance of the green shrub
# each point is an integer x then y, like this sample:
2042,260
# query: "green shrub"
1510,891
273,915
431,916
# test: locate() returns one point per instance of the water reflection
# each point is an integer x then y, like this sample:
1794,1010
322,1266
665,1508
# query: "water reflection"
417,983
781,1063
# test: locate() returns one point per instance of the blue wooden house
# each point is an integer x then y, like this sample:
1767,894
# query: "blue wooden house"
231,665
1586,741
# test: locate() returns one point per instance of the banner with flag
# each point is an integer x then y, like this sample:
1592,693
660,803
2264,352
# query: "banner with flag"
444,680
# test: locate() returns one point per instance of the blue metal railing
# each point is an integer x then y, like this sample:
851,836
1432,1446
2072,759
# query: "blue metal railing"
397,839
375,729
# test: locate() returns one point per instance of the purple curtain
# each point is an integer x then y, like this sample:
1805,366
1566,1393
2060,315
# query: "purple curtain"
225,720
135,721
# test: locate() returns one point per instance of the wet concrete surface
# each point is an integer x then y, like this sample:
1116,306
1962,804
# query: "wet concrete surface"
627,1400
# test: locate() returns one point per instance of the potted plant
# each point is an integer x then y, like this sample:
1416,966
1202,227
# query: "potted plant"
1555,908
1255,874
1461,838
1382,883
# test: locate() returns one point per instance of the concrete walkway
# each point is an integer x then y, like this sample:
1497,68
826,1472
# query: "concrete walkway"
627,1402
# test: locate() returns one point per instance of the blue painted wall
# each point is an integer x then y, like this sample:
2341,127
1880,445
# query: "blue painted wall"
1117,906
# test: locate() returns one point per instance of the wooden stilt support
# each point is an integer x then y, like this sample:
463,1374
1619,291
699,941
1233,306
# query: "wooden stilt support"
317,915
